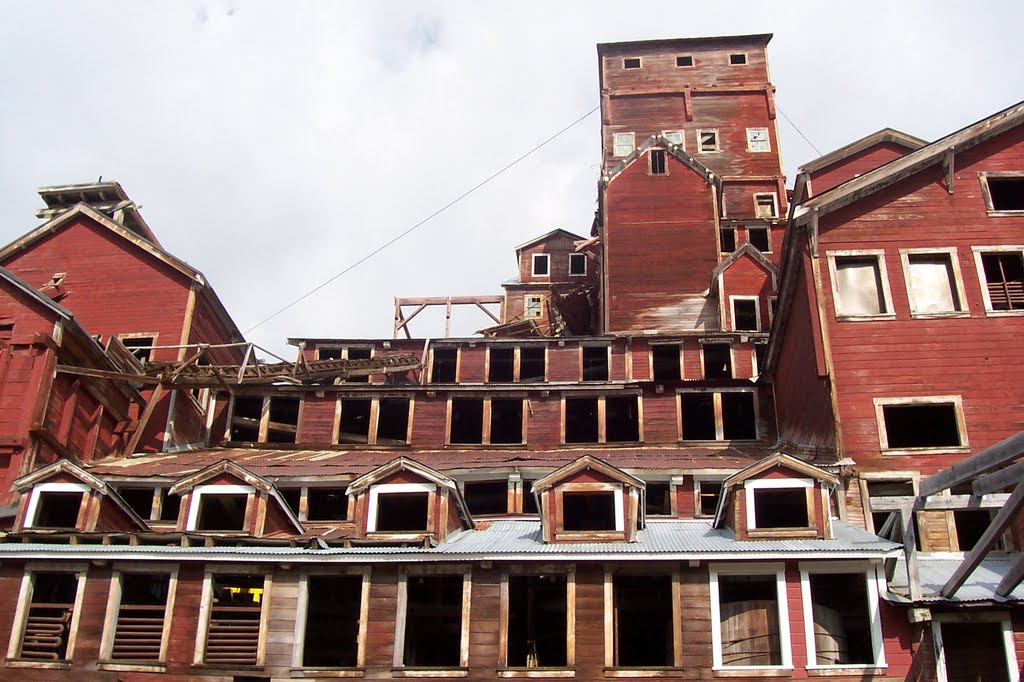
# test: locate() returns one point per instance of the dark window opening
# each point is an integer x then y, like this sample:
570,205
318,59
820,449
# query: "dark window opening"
760,355
744,313
433,621
291,497
622,419
581,420
541,264
245,422
631,63
502,364
921,426
758,238
234,634
708,140
904,488
332,621
537,619
529,500
749,612
222,512
658,499
140,618
738,419
717,360
709,492
1004,279
398,512
328,354
445,362
532,363
467,421
698,416
169,506
727,239
658,162
577,264
393,421
140,346
359,354
49,616
665,360
595,363
643,620
737,59
842,625
326,504
588,511
1007,193
57,509
486,497
354,424
781,508
684,60
974,652
971,524
506,420
284,420
140,500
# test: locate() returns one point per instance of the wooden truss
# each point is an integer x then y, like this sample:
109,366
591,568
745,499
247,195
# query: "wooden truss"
402,321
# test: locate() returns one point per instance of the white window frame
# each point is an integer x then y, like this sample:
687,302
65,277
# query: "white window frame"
987,193
302,612
25,603
206,607
961,424
390,488
875,585
217,489
114,608
398,660
718,141
957,283
650,161
883,275
153,336
752,144
768,235
582,256
618,500
1009,647
639,60
716,394
785,644
533,311
678,136
751,486
538,257
757,313
979,251
775,205
619,143
33,502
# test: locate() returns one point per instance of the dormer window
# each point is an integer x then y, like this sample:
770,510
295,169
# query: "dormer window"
778,503
55,505
400,508
220,508
541,265
592,511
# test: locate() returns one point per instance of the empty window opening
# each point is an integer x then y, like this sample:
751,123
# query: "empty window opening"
665,362
138,635
140,346
581,423
921,426
737,59
245,421
971,524
708,494
717,360
332,621
291,497
284,420
707,140
758,238
442,370
658,162
760,355
698,416
877,489
222,512
757,140
393,421
502,364
506,420
842,624
1007,193
399,512
359,354
749,613
739,421
1004,279
537,621
765,206
658,499
326,504
58,509
974,652
595,363
781,507
932,283
529,500
140,500
684,60
170,505
534,306
467,421
328,353
541,265
582,511
577,264
631,63
622,419
727,239
532,363
486,497
643,620
49,616
623,144
859,283
744,315
354,424
234,633
433,621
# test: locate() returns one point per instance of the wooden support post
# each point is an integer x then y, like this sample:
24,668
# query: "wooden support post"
910,552
988,539
144,419
688,103
769,95
999,480
947,168
448,319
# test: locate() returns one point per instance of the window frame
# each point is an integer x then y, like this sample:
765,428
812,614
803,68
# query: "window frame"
957,285
980,251
751,142
879,256
777,569
374,424
21,613
579,256
113,612
698,479
302,613
718,141
692,64
195,498
961,424
774,215
650,162
745,62
263,427
504,669
768,237
485,427
750,488
602,418
680,348
534,311
398,658
757,313
609,624
1004,620
639,63
618,145
716,394
32,510
540,257
206,608
718,342
680,137
986,192
458,362
373,497
153,336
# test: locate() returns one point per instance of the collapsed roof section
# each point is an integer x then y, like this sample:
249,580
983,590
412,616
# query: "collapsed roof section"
108,198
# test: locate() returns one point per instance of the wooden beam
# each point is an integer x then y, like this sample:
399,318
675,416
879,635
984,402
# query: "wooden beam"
489,313
947,168
407,320
941,502
144,419
443,300
986,461
985,543
910,552
999,480
1011,579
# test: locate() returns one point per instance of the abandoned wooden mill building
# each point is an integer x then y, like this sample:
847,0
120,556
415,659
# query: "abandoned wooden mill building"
733,431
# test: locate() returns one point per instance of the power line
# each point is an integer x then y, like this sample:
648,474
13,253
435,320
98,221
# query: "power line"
425,220
798,130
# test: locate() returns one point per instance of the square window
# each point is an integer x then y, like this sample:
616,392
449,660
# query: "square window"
622,419
673,136
581,420
739,419
506,421
707,141
765,205
698,416
221,512
658,499
1003,192
746,315
590,511
658,162
444,364
737,59
778,508
757,140
665,362
354,420
920,423
534,307
932,283
532,363
595,363
467,419
328,352
501,364
727,239
859,286
758,238
401,512
55,508
140,346
282,420
717,359
393,421
326,504
1003,273
139,500
684,60
577,264
708,494
623,144
541,265
486,497
631,63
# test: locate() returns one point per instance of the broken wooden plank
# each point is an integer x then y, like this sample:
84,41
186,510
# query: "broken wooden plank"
988,539
144,419
999,480
1011,579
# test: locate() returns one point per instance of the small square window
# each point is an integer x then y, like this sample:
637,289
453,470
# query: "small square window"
758,238
56,508
590,511
745,314
765,205
595,363
623,144
727,239
757,140
577,264
707,141
717,359
737,59
534,306
631,63
778,508
859,285
445,364
684,60
932,283
673,136
541,265
658,162
1003,192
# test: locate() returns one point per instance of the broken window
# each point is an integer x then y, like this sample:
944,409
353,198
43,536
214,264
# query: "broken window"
622,419
684,60
665,362
328,352
56,508
467,421
581,420
779,508
433,621
658,498
758,238
1005,193
577,264
859,286
534,306
221,512
402,512
717,359
975,651
506,420
708,494
501,364
760,355
354,422
725,415
537,621
658,162
932,281
589,511
245,420
727,239
745,316
140,346
595,363
623,144
139,500
360,353
642,621
890,488
841,619
748,607
332,621
1004,280
757,140
919,425
283,425
970,525
486,497
631,63
233,635
541,265
765,205
326,504
529,500
48,624
707,140
291,497
170,505
392,421
532,363
673,136
445,362
139,629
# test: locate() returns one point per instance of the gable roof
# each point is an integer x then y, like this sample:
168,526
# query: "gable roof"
660,141
105,197
548,236
779,459
66,466
581,464
746,250
421,470
879,137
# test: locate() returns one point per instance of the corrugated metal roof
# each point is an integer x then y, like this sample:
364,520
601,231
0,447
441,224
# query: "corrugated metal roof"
936,570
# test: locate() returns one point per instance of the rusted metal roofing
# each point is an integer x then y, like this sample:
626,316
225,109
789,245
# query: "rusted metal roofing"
936,570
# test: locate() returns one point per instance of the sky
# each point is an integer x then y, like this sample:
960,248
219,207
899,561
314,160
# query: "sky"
274,145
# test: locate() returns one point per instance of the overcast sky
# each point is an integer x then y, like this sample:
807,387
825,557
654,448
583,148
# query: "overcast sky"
272,145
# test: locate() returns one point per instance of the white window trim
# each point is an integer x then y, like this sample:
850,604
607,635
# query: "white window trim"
302,612
767,140
770,484
386,488
681,133
25,603
219,489
958,281
718,141
692,64
632,143
757,312
883,275
114,608
719,420
617,497
987,192
33,503
535,258
979,251
578,274
875,585
1009,647
526,307
779,571
398,660
961,424
206,607
775,205
650,161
